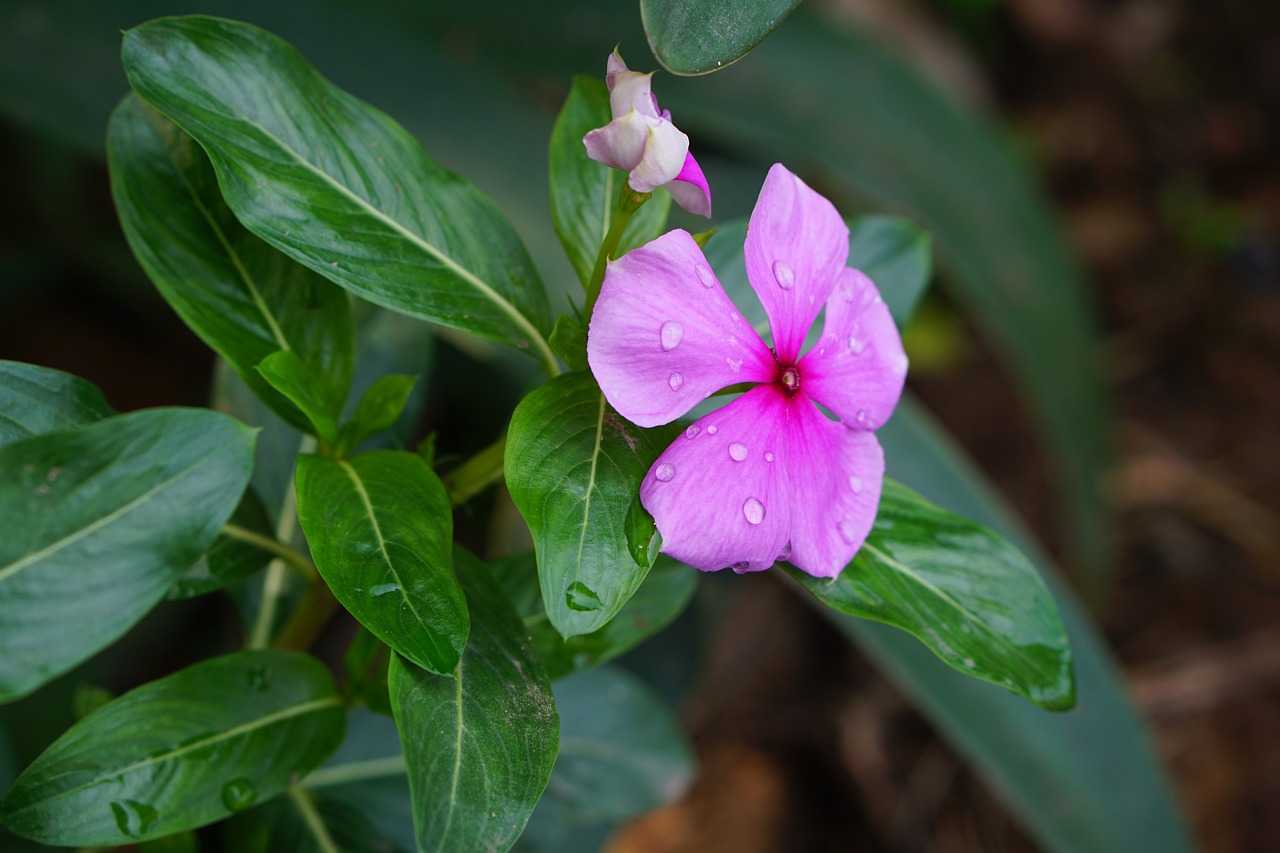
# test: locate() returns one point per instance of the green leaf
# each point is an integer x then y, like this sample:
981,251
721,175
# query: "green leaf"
365,662
36,400
700,36
963,590
479,746
337,185
180,752
229,559
378,410
304,386
573,467
584,193
99,522
243,298
621,753
662,597
380,527
569,340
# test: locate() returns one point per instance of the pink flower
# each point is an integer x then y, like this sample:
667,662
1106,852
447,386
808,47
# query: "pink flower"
642,140
769,476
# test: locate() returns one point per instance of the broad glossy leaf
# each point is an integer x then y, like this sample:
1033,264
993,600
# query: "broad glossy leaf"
573,467
665,593
36,400
380,527
584,193
701,36
380,407
229,559
480,745
304,386
1095,764
963,590
243,298
336,184
181,752
99,522
621,753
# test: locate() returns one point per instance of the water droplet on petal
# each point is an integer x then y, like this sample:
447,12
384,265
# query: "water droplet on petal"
705,276
664,472
856,345
861,416
784,275
676,380
713,429
238,795
740,567
735,364
737,451
855,483
848,530
671,334
753,510
768,457
692,432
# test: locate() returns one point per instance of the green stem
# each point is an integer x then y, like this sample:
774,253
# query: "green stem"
311,614
273,585
629,202
315,824
291,557
356,771
476,474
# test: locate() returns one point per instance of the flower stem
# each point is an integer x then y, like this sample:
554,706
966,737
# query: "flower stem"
289,556
477,473
629,202
311,614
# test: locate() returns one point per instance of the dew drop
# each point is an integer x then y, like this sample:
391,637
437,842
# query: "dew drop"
856,345
676,380
737,451
969,662
855,483
784,275
383,588
581,597
133,818
848,530
664,472
671,334
713,429
740,567
753,510
238,795
768,456
861,416
705,276
692,432
257,678
735,364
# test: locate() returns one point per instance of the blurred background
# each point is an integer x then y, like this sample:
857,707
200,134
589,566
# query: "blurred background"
1102,182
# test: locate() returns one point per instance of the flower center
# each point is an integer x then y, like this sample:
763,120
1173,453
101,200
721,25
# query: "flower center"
790,379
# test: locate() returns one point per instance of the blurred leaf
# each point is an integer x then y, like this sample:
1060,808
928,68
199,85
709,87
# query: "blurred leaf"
1095,765
961,589
99,522
379,409
243,298
365,662
584,193
479,746
380,527
701,36
304,386
621,753
665,593
36,400
181,752
229,559
569,340
573,468
335,184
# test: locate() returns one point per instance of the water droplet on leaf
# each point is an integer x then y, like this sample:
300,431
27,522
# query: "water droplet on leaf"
784,275
676,380
257,677
671,334
753,509
581,598
383,588
133,818
238,795
664,472
737,451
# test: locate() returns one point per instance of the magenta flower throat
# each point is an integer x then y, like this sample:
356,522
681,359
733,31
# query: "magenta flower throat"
769,476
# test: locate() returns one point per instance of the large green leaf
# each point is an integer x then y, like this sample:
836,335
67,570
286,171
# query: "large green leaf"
181,752
968,594
99,522
230,558
243,298
336,184
1094,765
380,527
36,400
304,386
479,746
701,36
574,468
621,753
665,593
584,193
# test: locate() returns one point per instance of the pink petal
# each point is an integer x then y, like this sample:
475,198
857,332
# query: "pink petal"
620,144
614,66
796,246
690,189
718,494
664,335
632,90
665,150
834,476
857,368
